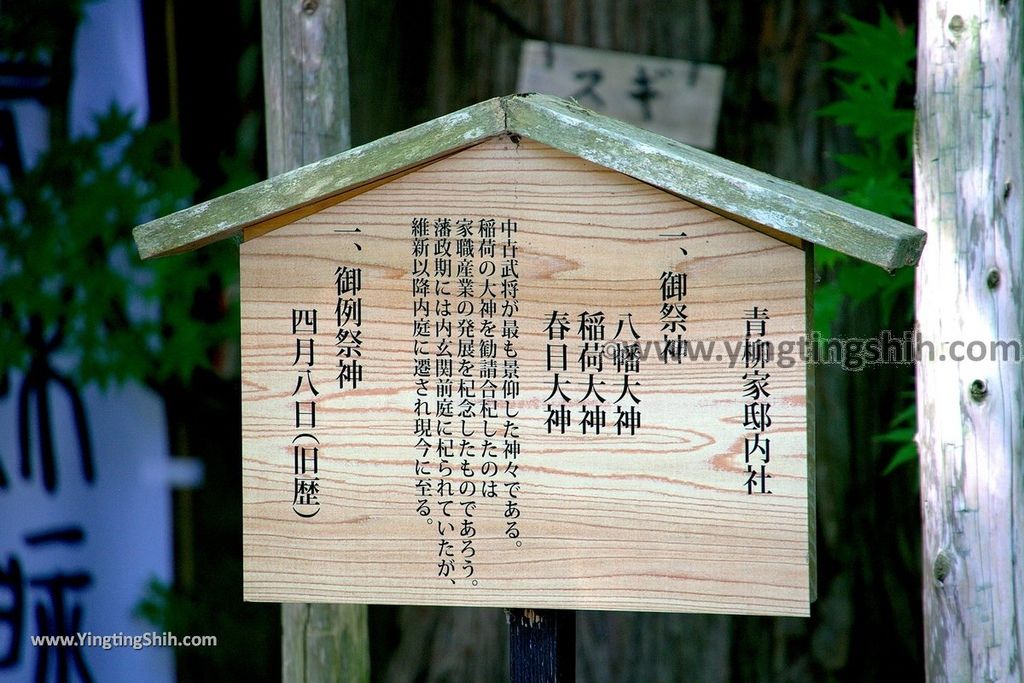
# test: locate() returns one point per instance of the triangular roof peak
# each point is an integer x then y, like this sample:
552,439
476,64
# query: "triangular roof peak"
720,185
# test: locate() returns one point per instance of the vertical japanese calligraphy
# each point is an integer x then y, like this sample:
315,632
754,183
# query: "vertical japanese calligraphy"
623,353
673,317
757,352
306,443
348,339
465,285
510,375
559,416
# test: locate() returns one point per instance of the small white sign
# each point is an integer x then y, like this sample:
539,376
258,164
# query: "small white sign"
672,97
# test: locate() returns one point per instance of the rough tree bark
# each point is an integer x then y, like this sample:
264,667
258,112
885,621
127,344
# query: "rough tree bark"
305,72
970,184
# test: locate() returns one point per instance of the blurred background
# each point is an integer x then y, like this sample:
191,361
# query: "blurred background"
120,471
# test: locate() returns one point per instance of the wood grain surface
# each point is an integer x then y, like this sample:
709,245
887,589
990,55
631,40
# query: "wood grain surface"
970,125
751,197
659,521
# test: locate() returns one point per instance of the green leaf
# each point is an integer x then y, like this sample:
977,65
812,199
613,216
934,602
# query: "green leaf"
828,301
906,454
869,51
896,436
906,416
70,264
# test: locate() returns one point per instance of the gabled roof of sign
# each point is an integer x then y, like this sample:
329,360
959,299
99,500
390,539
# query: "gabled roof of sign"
728,188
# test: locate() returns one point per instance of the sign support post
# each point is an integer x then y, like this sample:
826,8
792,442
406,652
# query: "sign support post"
541,645
305,76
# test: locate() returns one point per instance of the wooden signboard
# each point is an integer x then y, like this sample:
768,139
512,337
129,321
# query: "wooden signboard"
673,97
525,355
466,387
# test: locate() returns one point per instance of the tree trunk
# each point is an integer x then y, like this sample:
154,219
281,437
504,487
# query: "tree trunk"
970,184
305,71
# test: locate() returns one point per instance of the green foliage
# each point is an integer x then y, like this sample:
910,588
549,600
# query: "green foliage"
74,294
71,272
875,75
904,427
876,63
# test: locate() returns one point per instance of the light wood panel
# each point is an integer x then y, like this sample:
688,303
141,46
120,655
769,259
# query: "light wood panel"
658,521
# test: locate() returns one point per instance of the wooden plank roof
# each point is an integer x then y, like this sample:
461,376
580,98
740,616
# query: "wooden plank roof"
741,193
